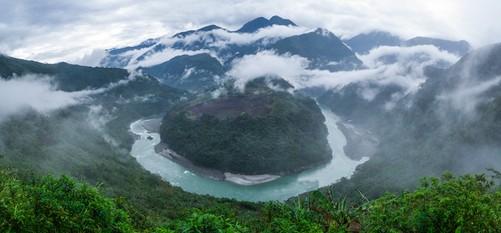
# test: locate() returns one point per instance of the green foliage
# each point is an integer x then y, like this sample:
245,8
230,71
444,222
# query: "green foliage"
57,205
66,143
464,204
285,218
316,212
250,134
451,204
199,222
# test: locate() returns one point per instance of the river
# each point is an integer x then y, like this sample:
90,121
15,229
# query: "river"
279,189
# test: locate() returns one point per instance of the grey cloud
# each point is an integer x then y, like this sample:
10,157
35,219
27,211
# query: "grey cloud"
37,93
467,96
404,72
33,92
60,30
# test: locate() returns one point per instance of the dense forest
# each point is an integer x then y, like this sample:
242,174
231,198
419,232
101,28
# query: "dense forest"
268,132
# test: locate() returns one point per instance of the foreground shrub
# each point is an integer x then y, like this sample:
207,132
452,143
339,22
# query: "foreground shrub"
57,205
200,222
450,204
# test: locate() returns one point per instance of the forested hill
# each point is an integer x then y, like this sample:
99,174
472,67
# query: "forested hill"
261,131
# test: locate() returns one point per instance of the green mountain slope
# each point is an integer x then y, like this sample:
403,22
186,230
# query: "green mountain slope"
261,132
66,76
91,141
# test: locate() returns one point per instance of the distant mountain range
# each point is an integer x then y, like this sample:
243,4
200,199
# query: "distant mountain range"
282,35
177,61
365,42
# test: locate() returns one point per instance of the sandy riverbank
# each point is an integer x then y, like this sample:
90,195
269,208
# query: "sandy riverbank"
359,144
239,179
163,150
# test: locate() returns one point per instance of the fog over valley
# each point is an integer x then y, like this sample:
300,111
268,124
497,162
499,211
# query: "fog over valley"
250,116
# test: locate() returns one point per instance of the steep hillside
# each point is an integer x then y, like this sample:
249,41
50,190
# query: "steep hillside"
193,73
452,123
321,47
90,141
66,76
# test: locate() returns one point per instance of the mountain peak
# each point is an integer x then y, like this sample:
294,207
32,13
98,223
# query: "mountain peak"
203,29
261,22
324,32
210,28
277,20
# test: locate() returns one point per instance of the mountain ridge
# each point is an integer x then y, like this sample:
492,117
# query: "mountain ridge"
364,42
261,22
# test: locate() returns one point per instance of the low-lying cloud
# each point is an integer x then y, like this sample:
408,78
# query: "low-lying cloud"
223,39
401,66
268,63
37,92
469,84
34,92
467,97
268,34
159,57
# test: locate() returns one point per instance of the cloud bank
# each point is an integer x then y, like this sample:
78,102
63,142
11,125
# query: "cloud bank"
401,66
34,92
37,92
214,41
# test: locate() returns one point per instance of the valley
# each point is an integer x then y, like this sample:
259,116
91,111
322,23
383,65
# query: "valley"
199,180
267,125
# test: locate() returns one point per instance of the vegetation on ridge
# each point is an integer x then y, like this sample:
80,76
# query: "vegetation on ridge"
470,203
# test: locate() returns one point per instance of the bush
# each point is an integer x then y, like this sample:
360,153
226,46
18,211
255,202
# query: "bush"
200,222
450,204
57,205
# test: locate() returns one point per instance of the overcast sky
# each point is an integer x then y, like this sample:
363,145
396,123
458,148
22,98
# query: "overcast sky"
64,30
